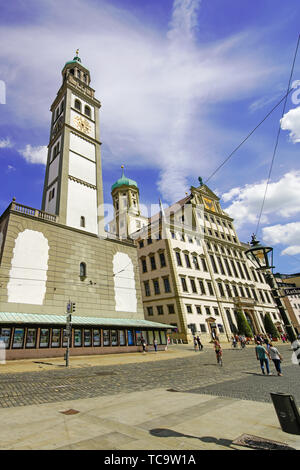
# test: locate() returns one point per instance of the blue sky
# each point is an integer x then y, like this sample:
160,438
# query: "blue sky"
181,83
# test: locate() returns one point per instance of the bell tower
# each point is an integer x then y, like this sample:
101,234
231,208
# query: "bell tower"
73,180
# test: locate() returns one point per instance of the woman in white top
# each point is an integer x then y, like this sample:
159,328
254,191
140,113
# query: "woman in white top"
276,358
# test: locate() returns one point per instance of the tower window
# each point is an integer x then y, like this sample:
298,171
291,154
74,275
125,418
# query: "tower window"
82,221
51,194
82,270
78,105
72,71
78,73
87,111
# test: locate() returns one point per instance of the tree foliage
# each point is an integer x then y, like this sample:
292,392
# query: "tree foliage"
242,324
270,327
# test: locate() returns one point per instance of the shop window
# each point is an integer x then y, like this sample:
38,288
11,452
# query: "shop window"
55,341
163,337
77,337
122,337
130,337
106,338
150,337
5,335
87,338
44,337
114,338
96,337
18,339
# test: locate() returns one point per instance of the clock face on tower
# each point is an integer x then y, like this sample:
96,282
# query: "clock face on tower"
209,204
82,124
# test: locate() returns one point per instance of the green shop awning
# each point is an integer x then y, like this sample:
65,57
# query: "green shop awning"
35,318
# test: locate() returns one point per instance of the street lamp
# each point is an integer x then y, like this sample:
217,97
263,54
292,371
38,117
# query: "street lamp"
262,258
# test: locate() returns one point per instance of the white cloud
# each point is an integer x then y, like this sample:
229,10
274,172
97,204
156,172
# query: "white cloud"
291,122
5,143
288,234
36,155
283,200
156,89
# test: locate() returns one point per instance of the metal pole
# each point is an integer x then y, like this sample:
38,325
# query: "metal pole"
274,288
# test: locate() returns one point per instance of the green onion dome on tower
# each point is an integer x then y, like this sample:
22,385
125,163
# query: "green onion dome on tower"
123,181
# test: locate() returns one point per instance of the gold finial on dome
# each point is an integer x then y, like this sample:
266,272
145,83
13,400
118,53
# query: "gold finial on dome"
77,52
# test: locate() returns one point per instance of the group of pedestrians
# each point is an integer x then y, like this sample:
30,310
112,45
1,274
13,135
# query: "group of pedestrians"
264,353
235,340
198,346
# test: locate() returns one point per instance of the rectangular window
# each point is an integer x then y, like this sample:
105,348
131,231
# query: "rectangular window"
152,261
150,311
178,258
162,260
87,337
213,263
216,311
202,328
207,310
254,294
235,291
198,309
31,337
156,287
189,309
262,296
77,337
147,288
141,244
55,340
44,337
246,271
254,275
160,310
204,266
96,337
193,286
221,329
167,285
221,265
240,269
229,294
183,283
234,268
106,337
114,337
195,261
202,288
5,334
187,261
221,290
210,288
242,292
248,292
144,265
171,309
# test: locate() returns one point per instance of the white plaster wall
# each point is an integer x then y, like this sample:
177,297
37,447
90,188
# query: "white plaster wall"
29,265
82,201
53,170
82,146
83,104
91,133
82,168
125,291
50,206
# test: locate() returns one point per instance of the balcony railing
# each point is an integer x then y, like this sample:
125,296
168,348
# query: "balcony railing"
26,210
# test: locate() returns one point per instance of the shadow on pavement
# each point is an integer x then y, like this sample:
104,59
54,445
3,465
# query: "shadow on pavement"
161,432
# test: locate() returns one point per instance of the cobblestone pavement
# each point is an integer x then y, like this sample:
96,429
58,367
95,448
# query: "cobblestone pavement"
238,377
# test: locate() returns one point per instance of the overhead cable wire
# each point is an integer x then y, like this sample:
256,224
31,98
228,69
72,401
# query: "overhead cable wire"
278,135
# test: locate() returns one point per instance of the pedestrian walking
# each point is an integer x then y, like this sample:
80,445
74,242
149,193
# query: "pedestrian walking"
195,343
276,358
234,342
219,352
143,343
262,356
200,345
155,345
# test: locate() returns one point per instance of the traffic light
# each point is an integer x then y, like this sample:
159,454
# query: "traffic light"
73,308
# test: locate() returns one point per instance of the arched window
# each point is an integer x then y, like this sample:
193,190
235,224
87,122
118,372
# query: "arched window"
82,221
82,270
78,105
87,111
78,73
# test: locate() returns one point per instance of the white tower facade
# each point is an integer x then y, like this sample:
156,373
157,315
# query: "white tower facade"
73,180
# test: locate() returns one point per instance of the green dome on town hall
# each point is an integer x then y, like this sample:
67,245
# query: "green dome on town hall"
123,181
